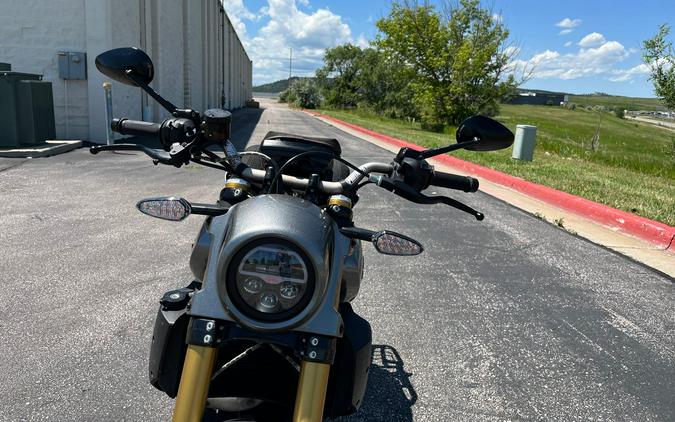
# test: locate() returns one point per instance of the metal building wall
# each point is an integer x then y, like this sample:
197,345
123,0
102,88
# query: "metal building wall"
215,69
200,61
238,69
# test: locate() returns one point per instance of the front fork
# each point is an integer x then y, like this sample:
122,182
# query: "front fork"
311,395
194,383
196,377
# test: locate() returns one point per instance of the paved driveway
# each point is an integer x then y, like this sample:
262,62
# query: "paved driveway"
506,319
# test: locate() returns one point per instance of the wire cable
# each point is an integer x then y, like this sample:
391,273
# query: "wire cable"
306,153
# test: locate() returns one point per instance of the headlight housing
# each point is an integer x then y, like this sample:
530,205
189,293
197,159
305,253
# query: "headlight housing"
270,280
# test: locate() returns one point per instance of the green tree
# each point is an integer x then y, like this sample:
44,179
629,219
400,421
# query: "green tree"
658,55
337,77
365,78
383,86
456,60
307,94
303,93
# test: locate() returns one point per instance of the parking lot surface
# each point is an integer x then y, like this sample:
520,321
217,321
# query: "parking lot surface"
511,318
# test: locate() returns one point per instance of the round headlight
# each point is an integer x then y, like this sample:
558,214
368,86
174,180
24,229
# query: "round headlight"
270,280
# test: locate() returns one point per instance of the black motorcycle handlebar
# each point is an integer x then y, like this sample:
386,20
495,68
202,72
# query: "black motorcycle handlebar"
453,181
136,127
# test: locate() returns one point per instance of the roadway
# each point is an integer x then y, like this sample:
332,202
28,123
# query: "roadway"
511,318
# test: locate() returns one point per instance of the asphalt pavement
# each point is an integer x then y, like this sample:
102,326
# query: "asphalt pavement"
511,318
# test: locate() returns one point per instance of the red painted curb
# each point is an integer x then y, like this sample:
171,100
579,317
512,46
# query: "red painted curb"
644,228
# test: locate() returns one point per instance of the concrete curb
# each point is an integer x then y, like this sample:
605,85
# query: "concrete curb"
643,228
51,148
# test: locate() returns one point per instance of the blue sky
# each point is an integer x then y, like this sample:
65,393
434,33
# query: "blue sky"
574,46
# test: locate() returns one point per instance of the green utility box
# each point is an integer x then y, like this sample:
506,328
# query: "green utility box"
26,109
525,141
35,112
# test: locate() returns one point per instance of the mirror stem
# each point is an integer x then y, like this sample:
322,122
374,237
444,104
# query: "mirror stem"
151,92
438,151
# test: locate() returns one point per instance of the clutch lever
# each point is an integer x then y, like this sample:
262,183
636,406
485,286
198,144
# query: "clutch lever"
404,191
157,155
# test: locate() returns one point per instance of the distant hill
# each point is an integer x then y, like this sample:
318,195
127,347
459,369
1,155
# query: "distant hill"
596,98
275,87
625,103
607,100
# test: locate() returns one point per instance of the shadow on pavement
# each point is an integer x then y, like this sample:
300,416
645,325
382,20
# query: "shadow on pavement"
244,122
389,394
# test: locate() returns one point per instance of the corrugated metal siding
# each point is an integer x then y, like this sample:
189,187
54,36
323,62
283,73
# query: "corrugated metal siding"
226,70
204,64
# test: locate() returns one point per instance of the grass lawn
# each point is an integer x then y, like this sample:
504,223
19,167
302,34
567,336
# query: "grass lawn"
633,170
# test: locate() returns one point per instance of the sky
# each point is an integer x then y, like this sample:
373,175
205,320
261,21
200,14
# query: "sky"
572,46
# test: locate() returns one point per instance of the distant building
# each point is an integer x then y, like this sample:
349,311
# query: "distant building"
199,59
540,98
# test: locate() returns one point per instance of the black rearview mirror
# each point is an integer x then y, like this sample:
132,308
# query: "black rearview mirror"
491,134
126,65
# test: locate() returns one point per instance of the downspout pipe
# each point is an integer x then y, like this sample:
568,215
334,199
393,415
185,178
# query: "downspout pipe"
222,56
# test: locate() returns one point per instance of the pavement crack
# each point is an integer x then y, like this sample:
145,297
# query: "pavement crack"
672,239
12,166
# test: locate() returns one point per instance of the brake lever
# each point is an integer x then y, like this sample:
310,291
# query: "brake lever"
404,191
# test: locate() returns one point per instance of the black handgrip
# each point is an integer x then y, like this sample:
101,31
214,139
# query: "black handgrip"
453,181
136,127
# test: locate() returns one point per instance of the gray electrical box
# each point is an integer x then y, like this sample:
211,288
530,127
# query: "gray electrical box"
72,65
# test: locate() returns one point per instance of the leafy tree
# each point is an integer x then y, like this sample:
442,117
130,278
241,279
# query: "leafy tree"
338,75
288,96
384,86
658,55
365,78
307,93
302,93
456,60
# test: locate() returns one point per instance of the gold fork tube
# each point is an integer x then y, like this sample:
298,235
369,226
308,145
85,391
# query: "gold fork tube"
194,383
311,393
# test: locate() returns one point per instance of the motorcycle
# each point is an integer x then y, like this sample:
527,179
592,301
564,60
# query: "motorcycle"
266,329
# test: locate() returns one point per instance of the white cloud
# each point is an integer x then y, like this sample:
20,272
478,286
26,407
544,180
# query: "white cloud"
593,61
624,75
309,34
497,18
568,43
238,13
568,23
593,39
362,41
